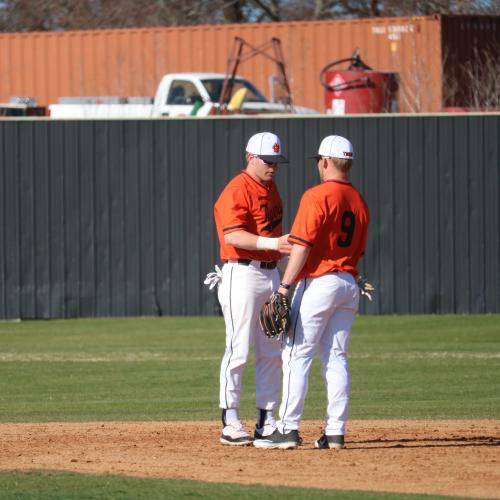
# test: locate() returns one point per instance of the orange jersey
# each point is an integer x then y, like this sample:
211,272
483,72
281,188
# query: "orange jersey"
248,205
332,221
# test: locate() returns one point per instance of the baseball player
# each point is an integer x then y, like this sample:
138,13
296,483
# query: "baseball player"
248,217
328,237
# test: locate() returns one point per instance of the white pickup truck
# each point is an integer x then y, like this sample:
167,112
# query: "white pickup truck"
178,94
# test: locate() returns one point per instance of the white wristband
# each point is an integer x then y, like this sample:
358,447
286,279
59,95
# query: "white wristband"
264,243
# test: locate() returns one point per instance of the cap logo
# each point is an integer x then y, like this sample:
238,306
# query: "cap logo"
347,153
276,147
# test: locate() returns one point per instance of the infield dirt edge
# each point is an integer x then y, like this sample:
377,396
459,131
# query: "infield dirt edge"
441,457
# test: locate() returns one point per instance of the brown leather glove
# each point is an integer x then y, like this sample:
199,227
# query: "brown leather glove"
275,316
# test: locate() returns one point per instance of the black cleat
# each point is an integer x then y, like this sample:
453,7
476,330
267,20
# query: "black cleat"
279,441
329,442
263,432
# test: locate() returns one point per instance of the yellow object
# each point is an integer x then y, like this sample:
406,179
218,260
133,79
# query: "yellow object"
237,100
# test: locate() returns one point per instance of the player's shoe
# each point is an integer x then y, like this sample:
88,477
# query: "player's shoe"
264,431
277,440
329,442
235,435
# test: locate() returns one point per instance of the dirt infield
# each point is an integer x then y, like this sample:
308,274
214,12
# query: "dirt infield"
434,457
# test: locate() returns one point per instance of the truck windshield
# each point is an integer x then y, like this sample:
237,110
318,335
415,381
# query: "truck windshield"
214,88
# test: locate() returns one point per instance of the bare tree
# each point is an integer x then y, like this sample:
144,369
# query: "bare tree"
43,15
482,80
233,11
332,9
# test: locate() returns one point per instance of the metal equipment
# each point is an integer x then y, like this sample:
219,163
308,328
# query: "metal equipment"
238,56
359,89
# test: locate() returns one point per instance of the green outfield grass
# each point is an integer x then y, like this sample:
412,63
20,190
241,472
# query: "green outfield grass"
412,367
167,369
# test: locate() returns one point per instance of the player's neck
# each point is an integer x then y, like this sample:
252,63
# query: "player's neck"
336,175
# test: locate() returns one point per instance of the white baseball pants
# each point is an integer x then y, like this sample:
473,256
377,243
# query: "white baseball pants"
323,311
242,293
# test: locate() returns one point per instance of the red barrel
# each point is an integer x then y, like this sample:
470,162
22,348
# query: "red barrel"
360,92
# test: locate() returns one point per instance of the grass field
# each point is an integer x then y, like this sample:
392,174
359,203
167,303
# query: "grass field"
64,486
412,367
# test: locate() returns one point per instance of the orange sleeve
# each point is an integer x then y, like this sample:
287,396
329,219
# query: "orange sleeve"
308,221
233,211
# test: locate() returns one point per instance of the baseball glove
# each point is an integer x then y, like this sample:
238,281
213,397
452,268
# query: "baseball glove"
365,287
275,316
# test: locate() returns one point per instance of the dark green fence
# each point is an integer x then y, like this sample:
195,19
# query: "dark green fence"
114,218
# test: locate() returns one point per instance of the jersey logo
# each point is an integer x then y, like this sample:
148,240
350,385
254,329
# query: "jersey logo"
272,217
269,228
276,147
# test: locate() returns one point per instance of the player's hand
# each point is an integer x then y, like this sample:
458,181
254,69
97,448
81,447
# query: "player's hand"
283,246
365,287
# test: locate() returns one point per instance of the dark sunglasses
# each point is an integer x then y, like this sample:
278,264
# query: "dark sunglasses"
268,163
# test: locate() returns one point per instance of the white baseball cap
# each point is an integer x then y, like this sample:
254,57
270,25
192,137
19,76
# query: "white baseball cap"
267,147
335,146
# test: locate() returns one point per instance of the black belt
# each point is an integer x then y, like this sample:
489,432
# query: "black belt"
263,265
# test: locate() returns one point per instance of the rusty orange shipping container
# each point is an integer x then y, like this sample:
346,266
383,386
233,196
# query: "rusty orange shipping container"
130,62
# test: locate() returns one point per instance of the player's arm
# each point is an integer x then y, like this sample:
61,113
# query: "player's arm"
296,261
248,241
304,230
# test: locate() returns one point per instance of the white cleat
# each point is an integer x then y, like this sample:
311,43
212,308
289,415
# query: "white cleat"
235,435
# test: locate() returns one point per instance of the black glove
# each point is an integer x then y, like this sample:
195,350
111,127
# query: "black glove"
365,287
